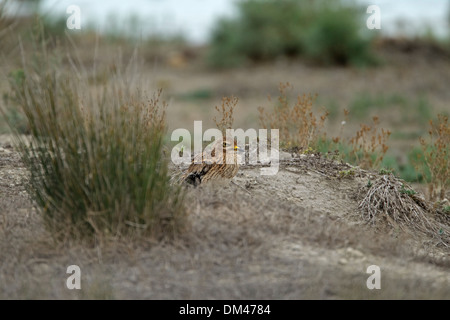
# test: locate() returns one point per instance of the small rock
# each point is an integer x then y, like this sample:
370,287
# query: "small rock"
285,155
2,150
343,261
133,277
41,268
355,253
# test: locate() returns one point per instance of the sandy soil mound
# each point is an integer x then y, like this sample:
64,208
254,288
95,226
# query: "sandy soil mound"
296,235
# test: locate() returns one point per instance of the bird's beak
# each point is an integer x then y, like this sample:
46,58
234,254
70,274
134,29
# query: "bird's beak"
236,148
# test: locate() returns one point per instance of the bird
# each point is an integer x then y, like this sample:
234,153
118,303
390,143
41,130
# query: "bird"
206,166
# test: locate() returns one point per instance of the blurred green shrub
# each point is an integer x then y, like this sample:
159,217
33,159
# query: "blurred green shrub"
334,38
53,26
325,32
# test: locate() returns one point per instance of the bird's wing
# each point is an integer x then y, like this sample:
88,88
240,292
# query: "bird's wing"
201,163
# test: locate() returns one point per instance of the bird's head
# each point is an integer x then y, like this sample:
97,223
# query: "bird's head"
231,146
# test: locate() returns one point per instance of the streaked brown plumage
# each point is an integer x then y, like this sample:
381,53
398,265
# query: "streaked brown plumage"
209,169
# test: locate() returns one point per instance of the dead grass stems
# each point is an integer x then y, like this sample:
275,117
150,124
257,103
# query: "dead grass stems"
389,200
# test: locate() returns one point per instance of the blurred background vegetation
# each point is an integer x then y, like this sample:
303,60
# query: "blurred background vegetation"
321,47
325,32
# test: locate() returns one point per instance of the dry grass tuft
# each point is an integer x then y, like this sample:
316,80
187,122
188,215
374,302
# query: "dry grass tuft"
437,157
368,146
226,111
389,199
299,126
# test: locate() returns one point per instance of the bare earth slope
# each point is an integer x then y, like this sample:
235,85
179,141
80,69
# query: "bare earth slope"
295,235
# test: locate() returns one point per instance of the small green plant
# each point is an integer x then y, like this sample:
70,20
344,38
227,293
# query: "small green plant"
409,192
447,209
346,173
309,150
369,184
385,171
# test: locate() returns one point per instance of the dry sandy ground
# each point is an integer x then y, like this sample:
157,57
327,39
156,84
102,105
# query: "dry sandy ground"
295,235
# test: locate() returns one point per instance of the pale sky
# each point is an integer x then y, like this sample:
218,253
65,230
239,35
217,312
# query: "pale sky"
195,18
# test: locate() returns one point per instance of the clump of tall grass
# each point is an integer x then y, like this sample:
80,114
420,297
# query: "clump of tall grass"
95,156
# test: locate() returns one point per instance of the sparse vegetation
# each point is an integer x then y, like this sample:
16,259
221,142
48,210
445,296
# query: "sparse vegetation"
404,112
301,128
366,148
